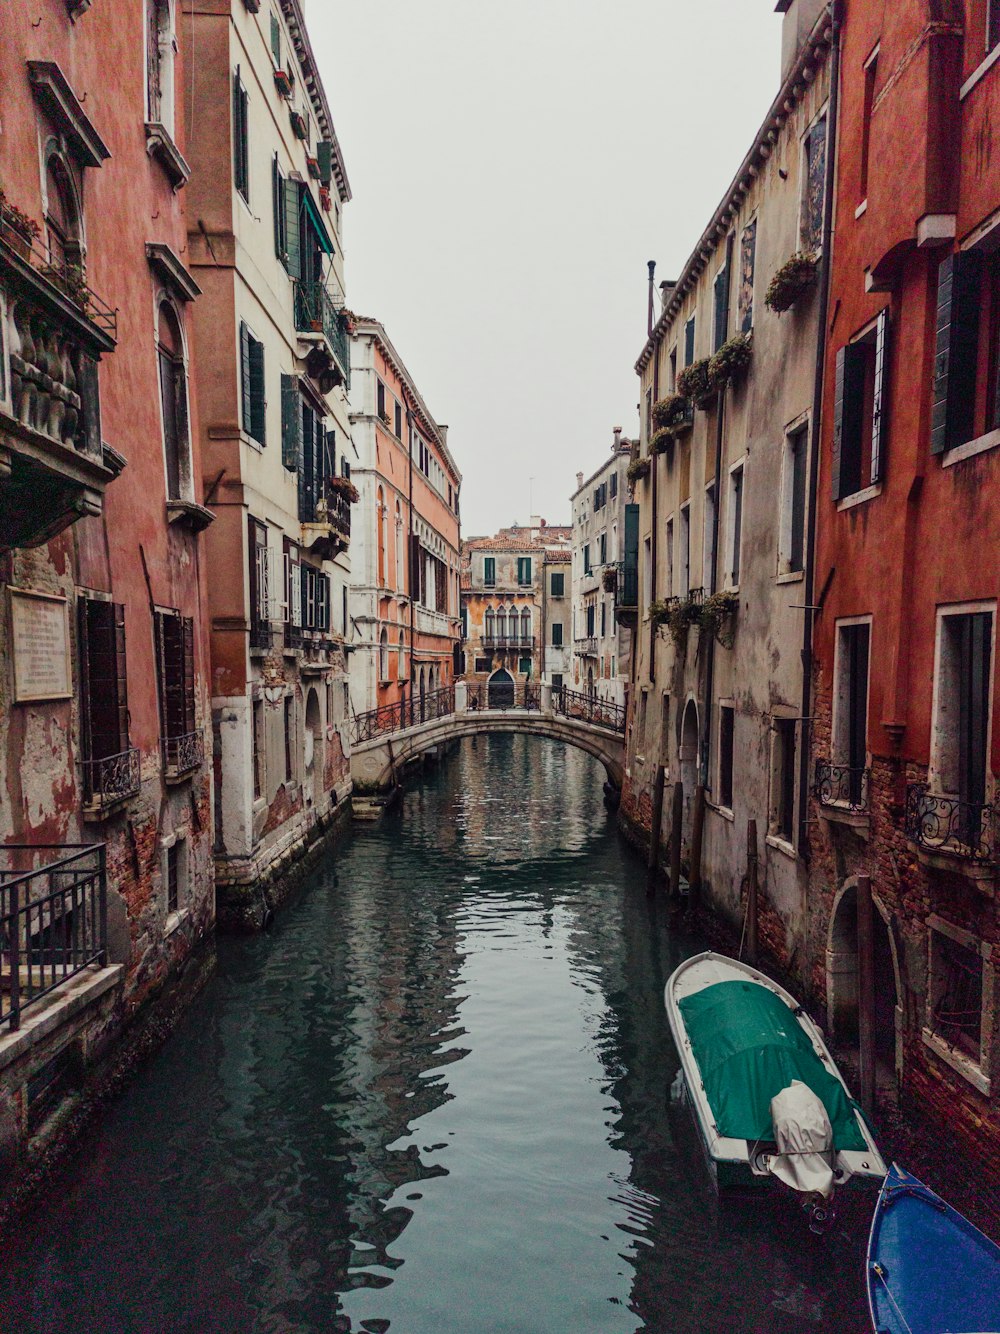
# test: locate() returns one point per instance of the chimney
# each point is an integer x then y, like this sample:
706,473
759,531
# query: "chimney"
579,480
618,440
651,266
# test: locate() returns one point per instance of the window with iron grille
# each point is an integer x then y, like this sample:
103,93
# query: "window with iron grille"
241,137
484,664
110,772
956,993
261,592
174,638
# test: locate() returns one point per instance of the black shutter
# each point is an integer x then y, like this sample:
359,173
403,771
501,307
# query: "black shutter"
169,402
258,414
974,706
952,421
291,422
278,205
881,396
307,472
721,308
838,421
848,409
245,378
330,456
416,571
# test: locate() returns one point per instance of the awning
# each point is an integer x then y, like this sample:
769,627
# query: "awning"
316,218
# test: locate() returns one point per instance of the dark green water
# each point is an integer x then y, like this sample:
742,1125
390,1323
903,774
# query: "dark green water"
433,1100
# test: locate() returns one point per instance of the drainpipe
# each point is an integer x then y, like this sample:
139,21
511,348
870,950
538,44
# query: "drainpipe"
805,746
653,544
651,266
409,544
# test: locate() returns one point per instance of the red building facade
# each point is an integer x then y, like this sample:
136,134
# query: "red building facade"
105,786
906,738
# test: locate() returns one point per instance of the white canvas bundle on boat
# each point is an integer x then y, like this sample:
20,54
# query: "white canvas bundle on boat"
804,1136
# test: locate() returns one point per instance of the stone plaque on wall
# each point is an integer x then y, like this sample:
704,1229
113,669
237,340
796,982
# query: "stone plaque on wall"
40,638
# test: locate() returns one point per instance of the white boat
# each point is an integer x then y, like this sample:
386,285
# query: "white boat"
768,1100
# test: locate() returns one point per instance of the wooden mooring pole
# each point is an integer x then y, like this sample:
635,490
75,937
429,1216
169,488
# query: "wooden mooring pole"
655,826
752,924
866,995
676,823
697,836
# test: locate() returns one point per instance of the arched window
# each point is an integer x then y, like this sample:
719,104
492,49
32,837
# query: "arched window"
62,216
383,656
173,399
490,623
401,666
525,626
380,508
399,546
512,624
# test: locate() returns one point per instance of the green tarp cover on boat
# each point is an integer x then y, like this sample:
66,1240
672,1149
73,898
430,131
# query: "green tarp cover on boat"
749,1046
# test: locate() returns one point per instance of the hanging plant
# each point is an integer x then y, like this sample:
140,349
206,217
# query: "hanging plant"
716,615
17,220
731,360
661,441
694,383
345,487
670,411
795,277
609,578
659,613
637,469
683,613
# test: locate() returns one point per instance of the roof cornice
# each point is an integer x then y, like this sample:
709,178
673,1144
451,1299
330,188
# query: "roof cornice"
295,19
813,54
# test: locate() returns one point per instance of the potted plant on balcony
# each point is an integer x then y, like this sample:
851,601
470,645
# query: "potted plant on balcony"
694,383
17,228
637,470
795,277
731,360
716,615
670,411
681,615
661,441
609,578
343,486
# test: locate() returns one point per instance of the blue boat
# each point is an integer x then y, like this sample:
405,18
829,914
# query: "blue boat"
929,1270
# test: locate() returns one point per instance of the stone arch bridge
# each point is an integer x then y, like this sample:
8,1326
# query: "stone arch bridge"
385,740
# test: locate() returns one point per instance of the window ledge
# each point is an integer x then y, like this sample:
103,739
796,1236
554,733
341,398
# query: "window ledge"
160,145
841,813
781,845
724,812
978,74
859,497
963,1065
980,874
792,577
970,449
188,514
175,920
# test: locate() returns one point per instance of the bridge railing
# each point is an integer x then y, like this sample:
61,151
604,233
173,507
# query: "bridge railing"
589,709
405,713
483,695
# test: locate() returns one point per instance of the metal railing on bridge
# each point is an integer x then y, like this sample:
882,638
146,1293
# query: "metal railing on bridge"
589,709
406,713
483,695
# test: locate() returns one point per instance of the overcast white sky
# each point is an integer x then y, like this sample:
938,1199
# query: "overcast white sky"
514,166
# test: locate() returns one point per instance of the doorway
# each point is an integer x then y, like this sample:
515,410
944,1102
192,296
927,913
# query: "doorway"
500,692
842,978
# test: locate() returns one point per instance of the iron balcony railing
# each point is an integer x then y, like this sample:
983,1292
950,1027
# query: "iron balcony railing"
315,312
53,920
508,641
405,713
627,585
966,829
111,779
589,709
182,754
68,279
842,787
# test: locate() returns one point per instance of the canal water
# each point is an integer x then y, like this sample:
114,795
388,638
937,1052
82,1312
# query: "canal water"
433,1100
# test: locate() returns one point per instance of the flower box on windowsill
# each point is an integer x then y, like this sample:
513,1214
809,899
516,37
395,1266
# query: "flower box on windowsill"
299,127
283,82
313,166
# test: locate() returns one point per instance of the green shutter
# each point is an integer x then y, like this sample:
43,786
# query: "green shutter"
324,156
881,396
489,570
275,38
258,414
291,422
278,206
955,362
293,243
245,377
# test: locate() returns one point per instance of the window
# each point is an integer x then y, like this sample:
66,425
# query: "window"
721,309
850,711
669,543
400,545
174,854
489,571
814,188
557,585
399,420
966,402
241,137
649,414
708,540
586,558
647,568
557,634
748,260
604,619
524,666
557,680
727,728
992,24
173,401
783,779
684,555
108,773
526,636
859,429
871,75
289,722
160,42
591,613
174,638
613,485
260,584
383,656
734,533
791,549
689,341
672,371
524,570
315,461
401,659
956,991
380,399
484,664
603,548
252,385
257,724
961,725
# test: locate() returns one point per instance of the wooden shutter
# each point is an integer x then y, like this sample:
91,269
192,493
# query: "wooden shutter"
307,471
881,396
323,602
241,156
721,308
258,398
291,422
324,156
838,421
974,705
278,206
330,456
952,420
848,407
175,672
245,377
275,38
293,235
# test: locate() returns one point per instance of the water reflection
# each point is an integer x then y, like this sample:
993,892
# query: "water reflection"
434,1099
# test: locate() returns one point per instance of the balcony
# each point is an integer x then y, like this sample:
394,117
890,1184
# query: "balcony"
110,780
586,647
328,531
53,921
319,319
54,467
626,590
183,754
953,834
500,642
839,787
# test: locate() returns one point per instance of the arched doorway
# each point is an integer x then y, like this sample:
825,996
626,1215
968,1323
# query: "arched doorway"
687,754
842,976
313,748
500,692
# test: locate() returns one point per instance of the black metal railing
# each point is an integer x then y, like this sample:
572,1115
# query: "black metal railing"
589,709
405,713
967,829
110,779
315,312
68,278
481,696
182,754
53,920
627,585
495,640
842,786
